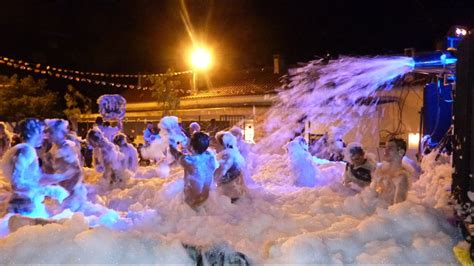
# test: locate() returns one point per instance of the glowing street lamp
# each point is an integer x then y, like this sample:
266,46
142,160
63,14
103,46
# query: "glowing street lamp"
200,60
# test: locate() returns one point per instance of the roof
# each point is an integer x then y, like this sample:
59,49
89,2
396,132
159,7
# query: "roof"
224,83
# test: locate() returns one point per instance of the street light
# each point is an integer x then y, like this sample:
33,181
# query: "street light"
200,60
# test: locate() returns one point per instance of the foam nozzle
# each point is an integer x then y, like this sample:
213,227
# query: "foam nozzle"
434,61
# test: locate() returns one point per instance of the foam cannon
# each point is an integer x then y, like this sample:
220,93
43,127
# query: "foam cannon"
438,62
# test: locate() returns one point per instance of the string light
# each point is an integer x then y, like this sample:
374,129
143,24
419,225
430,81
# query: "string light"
80,76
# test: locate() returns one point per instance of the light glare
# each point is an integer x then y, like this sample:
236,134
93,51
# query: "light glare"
201,58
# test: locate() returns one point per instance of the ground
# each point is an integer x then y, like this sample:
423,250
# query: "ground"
147,222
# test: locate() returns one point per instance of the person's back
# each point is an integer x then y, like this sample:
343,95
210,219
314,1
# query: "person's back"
198,167
128,150
107,157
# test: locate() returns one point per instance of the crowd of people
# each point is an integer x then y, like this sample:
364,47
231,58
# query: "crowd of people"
389,179
48,163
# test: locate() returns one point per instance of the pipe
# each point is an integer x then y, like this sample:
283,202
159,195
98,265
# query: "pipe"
434,62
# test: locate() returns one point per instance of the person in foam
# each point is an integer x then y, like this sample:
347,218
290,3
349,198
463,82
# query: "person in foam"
193,128
130,153
391,179
301,163
65,161
147,133
229,175
108,131
359,171
199,167
171,132
28,184
5,139
72,136
243,147
107,157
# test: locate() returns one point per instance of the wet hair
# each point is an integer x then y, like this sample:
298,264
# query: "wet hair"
120,139
29,127
57,124
195,125
95,135
200,142
236,131
356,150
400,143
99,121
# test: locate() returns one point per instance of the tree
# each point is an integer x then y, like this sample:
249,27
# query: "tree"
165,90
76,104
26,97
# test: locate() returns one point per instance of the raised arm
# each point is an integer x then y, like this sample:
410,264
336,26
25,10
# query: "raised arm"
176,154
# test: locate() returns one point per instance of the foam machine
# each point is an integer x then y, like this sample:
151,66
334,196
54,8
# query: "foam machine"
447,116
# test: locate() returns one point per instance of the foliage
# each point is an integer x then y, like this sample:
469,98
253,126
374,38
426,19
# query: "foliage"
76,103
26,97
165,90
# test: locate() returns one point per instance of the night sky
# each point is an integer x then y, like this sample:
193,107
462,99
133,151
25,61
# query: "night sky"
150,36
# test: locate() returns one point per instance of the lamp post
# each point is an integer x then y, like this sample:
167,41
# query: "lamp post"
200,61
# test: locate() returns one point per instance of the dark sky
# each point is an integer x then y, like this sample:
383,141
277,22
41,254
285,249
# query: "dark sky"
131,36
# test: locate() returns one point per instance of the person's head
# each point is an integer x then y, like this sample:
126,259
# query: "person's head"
95,137
194,127
199,142
99,121
56,129
213,121
120,139
218,138
31,131
227,141
395,149
356,154
149,125
237,132
107,124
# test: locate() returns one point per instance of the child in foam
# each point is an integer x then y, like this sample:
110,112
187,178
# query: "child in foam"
199,167
229,175
107,157
391,180
359,170
243,147
29,185
130,153
64,160
301,163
